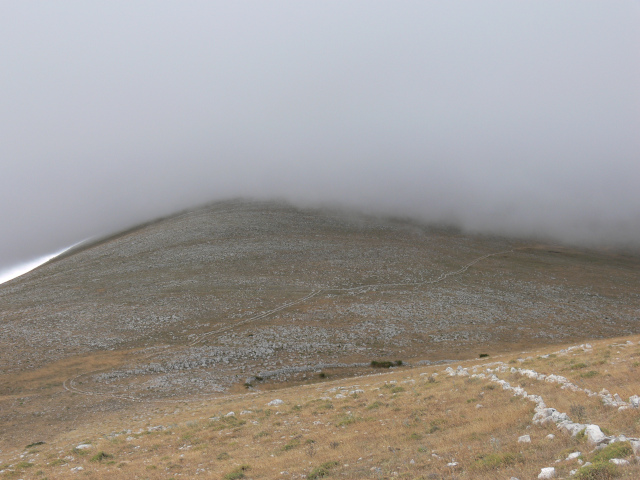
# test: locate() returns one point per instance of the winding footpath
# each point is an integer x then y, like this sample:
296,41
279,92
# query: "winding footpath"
70,384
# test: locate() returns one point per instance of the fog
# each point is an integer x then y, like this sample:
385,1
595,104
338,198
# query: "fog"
517,118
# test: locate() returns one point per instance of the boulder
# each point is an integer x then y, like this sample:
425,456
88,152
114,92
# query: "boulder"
547,472
594,434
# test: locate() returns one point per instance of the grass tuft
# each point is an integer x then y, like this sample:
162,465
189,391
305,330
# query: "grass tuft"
321,471
345,420
598,471
613,450
579,366
237,473
291,445
98,457
493,461
227,422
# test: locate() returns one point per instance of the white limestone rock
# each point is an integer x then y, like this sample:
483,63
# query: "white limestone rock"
546,415
572,428
547,472
594,434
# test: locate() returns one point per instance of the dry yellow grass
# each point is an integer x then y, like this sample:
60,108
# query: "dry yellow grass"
402,423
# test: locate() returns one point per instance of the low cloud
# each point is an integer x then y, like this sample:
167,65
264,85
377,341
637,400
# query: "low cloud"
519,119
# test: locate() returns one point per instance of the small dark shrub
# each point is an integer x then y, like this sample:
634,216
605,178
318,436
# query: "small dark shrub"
34,444
385,364
483,355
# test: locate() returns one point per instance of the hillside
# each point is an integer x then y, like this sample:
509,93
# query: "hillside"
242,296
572,410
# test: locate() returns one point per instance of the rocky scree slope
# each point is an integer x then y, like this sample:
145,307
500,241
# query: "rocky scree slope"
239,290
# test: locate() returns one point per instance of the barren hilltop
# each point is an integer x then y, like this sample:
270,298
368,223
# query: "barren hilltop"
237,300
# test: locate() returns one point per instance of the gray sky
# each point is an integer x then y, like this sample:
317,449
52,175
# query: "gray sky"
509,117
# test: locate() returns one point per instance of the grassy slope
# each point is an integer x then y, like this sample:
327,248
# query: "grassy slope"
395,424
